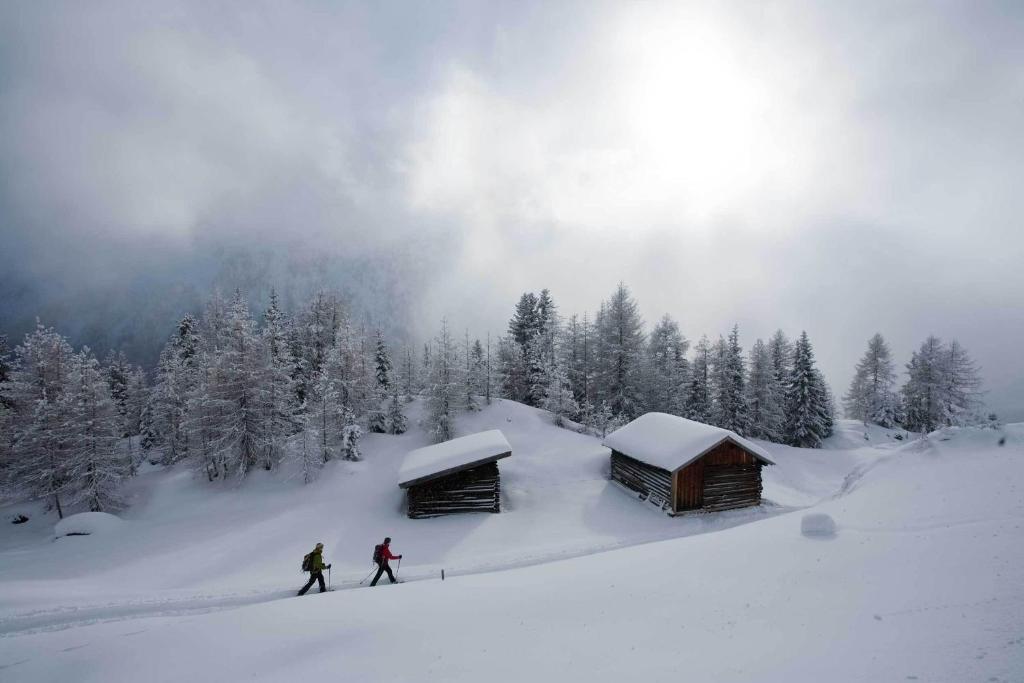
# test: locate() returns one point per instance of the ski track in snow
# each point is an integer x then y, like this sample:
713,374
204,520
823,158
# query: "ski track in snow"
63,618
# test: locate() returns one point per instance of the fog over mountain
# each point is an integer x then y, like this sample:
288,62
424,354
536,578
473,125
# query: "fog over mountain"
843,168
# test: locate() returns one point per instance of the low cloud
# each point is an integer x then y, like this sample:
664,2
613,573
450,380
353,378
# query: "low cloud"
844,168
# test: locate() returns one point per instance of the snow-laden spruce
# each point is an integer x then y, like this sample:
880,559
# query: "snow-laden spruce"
871,397
808,410
443,387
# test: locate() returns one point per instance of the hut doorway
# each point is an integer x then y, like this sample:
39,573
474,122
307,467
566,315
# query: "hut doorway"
690,487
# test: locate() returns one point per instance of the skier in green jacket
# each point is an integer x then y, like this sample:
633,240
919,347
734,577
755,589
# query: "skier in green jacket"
316,569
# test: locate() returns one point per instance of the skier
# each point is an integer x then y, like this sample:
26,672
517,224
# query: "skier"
381,555
316,569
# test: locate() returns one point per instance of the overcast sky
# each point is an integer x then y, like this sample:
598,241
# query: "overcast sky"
843,168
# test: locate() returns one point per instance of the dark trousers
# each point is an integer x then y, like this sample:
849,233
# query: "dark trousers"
381,568
314,576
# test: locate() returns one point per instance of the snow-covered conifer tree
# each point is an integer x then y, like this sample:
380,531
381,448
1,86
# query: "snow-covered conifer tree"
781,351
136,400
214,327
96,466
476,375
943,387
922,393
548,327
871,397
522,360
698,394
479,362
444,388
6,411
6,442
239,395
307,449
177,378
559,399
149,437
326,409
583,377
116,369
828,400
275,366
396,420
410,379
298,373
5,365
621,341
962,393
601,420
426,364
382,365
488,372
384,379
320,323
730,406
351,433
667,369
364,397
512,374
38,393
807,411
469,378
764,402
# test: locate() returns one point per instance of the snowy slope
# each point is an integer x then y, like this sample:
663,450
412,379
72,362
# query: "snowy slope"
185,540
923,578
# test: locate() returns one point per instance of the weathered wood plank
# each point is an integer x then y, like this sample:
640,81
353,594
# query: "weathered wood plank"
652,482
474,490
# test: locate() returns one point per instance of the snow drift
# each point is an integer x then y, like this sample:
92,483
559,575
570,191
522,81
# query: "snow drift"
87,524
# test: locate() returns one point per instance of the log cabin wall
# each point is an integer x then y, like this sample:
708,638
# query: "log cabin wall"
651,482
732,478
474,490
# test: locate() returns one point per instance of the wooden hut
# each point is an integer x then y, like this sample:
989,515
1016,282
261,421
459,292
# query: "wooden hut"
681,465
460,475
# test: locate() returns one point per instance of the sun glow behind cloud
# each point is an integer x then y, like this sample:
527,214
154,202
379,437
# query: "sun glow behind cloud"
670,125
698,119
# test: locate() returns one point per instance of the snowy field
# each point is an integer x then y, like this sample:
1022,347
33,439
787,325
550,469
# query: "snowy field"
923,578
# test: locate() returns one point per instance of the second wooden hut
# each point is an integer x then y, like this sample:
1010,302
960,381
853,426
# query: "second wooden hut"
681,465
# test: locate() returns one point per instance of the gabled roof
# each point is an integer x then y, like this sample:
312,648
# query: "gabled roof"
463,453
672,442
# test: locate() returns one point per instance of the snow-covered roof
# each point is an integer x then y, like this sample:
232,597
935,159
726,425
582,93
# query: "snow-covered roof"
463,453
672,442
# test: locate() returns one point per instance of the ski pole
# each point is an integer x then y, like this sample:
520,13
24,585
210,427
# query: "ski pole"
368,576
328,577
398,567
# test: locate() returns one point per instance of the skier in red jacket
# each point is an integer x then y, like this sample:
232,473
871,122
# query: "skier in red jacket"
381,558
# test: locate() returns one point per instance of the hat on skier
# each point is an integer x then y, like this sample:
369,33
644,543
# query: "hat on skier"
319,545
387,539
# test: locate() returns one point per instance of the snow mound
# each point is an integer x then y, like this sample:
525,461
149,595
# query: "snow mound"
851,434
87,523
818,524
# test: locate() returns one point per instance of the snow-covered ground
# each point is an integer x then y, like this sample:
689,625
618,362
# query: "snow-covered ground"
576,580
